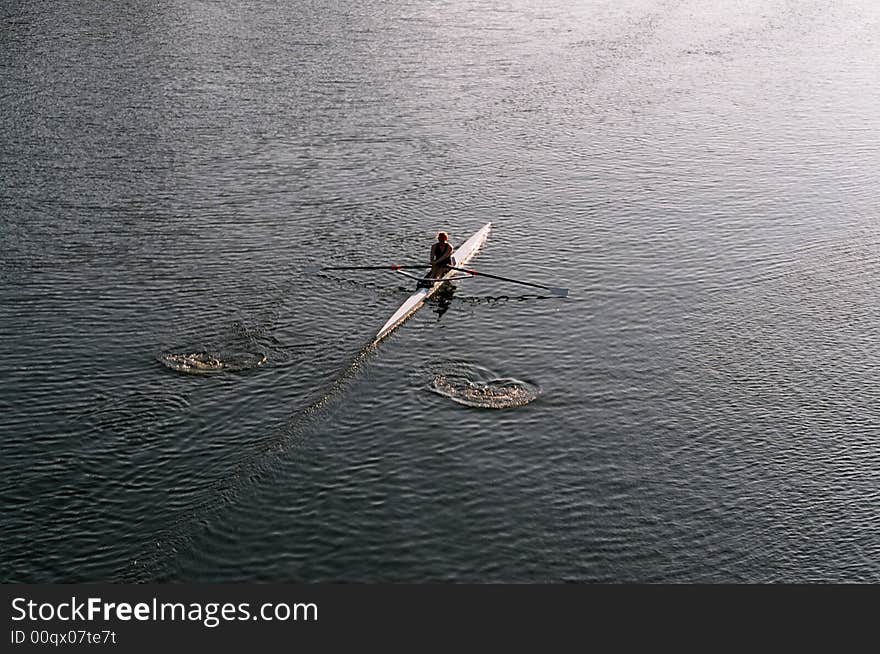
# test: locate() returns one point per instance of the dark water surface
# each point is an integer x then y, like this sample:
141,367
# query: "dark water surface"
703,176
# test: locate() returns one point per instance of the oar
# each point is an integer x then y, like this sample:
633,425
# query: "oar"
312,269
561,292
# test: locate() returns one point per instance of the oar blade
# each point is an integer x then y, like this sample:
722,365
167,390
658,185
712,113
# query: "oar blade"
559,292
312,269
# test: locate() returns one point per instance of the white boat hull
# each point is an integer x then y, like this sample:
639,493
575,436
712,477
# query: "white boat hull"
462,255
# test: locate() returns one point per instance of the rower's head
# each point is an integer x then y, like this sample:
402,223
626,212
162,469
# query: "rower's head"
442,237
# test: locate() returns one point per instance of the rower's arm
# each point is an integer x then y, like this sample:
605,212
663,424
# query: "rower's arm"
444,259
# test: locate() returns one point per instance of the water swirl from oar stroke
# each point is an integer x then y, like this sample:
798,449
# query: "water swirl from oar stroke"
479,387
233,348
206,363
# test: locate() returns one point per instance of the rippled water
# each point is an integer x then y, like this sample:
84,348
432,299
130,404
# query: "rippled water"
702,176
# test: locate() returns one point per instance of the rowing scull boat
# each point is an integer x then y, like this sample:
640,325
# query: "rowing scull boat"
461,257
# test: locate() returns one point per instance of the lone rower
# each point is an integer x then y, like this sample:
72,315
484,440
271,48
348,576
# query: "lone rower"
441,256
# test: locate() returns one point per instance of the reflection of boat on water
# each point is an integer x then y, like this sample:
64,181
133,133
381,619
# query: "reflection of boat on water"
443,298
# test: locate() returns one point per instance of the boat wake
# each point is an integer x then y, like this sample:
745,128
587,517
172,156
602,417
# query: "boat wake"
158,564
479,387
